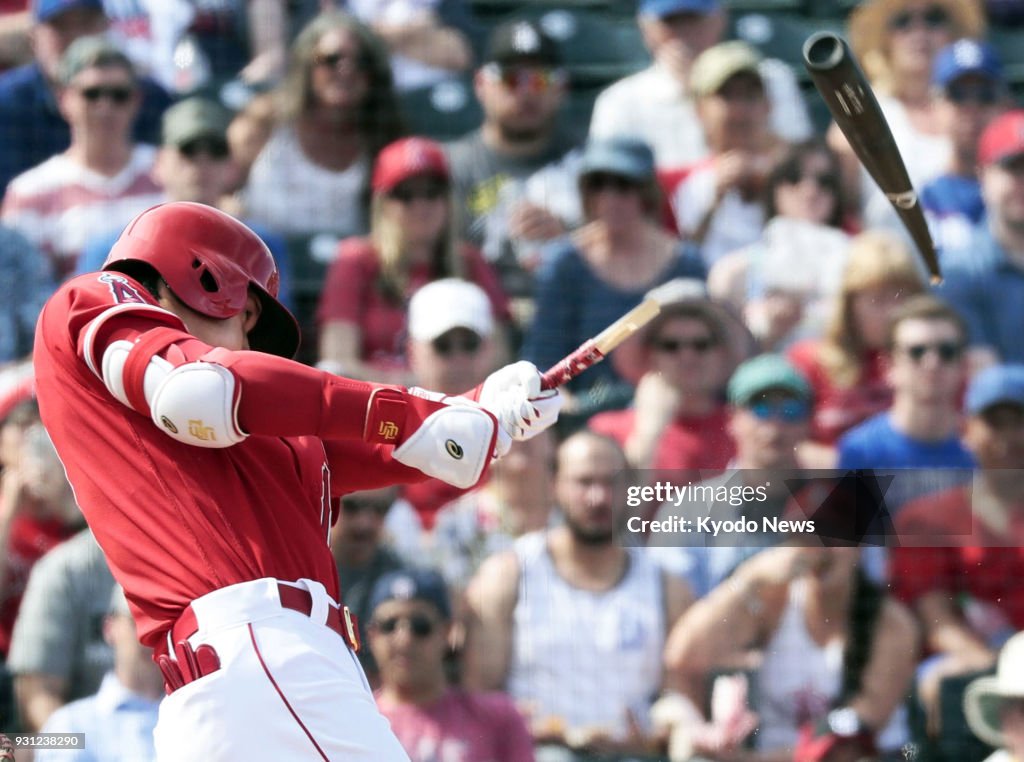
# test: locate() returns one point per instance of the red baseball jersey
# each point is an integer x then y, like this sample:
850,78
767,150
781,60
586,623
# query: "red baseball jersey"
177,521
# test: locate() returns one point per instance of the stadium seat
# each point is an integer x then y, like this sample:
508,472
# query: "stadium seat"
768,6
487,9
780,35
443,111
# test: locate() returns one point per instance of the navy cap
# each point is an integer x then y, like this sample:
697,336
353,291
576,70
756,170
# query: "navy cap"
966,57
627,157
412,585
45,10
662,8
995,385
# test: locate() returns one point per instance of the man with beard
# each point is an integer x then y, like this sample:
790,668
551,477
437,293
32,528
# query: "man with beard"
571,623
516,173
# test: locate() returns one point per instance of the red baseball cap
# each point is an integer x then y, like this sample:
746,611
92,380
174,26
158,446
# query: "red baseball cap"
1003,139
405,158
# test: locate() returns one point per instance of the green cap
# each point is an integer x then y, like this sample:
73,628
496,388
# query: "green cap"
719,63
764,373
195,118
89,51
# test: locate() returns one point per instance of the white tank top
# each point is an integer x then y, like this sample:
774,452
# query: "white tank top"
582,656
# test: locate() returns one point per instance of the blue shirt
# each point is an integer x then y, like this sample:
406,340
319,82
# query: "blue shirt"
118,726
575,304
953,206
32,129
26,282
988,291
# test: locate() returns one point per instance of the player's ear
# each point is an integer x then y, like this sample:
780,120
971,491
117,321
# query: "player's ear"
253,308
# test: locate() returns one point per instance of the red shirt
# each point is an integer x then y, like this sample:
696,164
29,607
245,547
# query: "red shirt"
177,521
838,409
351,295
693,444
30,539
946,547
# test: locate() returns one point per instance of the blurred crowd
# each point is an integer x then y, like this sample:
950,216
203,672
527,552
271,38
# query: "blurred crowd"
439,203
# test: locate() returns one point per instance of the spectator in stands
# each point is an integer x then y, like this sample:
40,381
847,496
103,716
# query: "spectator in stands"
963,549
34,127
363,557
518,498
657,104
604,268
515,175
413,240
308,148
784,283
26,283
897,41
970,80
37,508
770,411
548,617
103,179
718,204
452,345
194,163
118,720
802,608
423,50
994,706
984,280
678,422
412,619
846,366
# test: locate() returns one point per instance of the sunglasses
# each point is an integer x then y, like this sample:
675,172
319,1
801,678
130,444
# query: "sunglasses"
933,17
463,342
825,180
408,193
419,625
947,351
355,506
699,345
340,60
117,95
533,78
215,149
787,411
987,94
600,181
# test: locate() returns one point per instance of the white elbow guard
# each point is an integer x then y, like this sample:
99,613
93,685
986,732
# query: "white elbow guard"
197,403
452,444
114,360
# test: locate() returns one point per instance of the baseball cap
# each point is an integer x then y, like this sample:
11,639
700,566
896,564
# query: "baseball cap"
449,303
627,157
522,39
719,63
412,585
993,386
47,10
966,57
404,158
1003,139
86,52
765,372
194,118
662,8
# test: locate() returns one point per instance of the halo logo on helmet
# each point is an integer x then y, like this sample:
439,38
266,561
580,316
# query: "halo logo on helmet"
210,261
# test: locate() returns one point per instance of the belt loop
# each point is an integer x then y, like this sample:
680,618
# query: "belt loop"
320,601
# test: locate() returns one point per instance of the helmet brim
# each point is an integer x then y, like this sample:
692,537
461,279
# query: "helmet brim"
277,330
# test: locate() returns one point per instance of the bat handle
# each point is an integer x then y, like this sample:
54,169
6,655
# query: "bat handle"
572,365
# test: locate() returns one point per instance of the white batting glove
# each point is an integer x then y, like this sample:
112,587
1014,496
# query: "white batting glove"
513,395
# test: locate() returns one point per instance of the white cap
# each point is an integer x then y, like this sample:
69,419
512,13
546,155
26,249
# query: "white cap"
439,306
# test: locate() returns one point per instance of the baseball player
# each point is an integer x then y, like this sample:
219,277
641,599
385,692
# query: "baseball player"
206,471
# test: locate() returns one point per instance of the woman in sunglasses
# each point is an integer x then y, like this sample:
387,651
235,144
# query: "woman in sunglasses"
412,241
846,366
781,283
308,147
604,268
896,42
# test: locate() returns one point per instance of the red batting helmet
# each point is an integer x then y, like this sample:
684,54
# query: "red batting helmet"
209,260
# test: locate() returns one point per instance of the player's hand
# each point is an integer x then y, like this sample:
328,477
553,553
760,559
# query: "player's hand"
513,395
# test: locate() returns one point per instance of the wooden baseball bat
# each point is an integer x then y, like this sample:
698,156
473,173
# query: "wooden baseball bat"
592,351
852,103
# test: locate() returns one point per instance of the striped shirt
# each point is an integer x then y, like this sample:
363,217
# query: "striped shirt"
60,205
